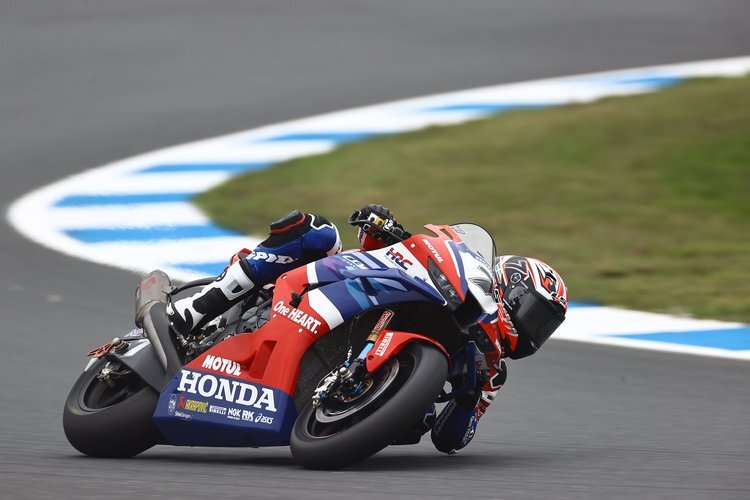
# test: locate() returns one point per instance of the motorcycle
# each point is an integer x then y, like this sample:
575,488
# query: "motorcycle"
280,367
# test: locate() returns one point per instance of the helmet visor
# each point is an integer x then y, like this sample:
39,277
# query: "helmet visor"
533,315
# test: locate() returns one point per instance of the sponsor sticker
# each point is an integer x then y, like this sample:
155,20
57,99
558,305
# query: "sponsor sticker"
218,364
353,261
263,419
255,417
172,404
270,257
298,316
398,259
385,318
383,346
222,389
199,406
218,410
432,250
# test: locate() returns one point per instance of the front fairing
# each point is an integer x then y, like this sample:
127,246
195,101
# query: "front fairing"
251,400
345,285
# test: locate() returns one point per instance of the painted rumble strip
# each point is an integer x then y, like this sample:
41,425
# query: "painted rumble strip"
136,213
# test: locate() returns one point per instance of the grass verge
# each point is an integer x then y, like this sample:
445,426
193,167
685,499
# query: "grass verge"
641,202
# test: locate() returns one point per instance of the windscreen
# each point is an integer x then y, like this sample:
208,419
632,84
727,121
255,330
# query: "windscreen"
477,239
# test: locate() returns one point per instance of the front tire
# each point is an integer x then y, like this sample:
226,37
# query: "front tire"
324,439
110,422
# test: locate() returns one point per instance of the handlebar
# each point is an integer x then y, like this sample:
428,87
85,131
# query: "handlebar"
377,225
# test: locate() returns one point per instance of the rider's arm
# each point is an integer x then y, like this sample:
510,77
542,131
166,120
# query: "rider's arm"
377,227
457,423
294,240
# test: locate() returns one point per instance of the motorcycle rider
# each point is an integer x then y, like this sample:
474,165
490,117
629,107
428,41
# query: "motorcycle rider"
532,301
294,240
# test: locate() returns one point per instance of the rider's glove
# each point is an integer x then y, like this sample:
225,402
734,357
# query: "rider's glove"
377,227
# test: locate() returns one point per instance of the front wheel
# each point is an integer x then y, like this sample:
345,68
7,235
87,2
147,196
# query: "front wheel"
336,433
109,412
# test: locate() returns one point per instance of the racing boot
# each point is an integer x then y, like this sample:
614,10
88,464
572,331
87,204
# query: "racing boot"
191,313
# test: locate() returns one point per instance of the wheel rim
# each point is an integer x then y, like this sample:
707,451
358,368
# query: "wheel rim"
98,395
331,413
328,420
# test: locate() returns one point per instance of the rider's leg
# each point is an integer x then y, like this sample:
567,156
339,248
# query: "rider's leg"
295,240
191,313
415,433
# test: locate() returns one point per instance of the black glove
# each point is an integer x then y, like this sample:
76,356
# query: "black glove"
378,222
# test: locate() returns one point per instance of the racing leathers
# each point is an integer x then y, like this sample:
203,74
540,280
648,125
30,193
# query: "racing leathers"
456,424
294,240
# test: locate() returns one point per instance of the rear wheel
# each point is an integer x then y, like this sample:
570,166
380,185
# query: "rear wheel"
109,411
341,432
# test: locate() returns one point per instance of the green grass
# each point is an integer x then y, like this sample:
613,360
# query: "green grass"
642,202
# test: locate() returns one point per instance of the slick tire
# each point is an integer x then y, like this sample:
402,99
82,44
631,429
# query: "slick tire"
120,430
403,406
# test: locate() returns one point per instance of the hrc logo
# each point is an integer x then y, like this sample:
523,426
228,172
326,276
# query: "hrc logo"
398,259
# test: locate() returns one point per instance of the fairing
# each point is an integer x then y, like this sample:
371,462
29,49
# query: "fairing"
247,398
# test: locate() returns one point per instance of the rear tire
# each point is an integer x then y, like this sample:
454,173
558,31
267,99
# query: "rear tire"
101,421
421,373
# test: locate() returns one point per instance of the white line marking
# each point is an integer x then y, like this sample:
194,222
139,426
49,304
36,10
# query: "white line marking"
37,217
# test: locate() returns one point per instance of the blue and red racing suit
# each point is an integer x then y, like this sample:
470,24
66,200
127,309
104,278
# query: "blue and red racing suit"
295,240
298,239
457,422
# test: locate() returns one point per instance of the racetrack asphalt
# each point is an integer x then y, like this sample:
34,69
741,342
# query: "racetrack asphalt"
85,83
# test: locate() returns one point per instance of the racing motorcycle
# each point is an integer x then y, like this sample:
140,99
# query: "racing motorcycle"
338,360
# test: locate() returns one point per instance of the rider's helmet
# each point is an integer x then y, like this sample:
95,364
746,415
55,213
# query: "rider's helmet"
534,297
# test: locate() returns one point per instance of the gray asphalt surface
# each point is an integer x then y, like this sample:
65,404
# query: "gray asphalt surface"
83,83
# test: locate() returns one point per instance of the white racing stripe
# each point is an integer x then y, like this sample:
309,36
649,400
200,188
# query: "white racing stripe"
312,274
324,308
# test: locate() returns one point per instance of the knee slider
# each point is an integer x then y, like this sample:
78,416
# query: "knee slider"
498,379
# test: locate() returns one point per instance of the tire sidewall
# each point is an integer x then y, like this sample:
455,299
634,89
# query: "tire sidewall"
382,427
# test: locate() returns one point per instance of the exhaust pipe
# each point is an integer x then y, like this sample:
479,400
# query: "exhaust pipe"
151,298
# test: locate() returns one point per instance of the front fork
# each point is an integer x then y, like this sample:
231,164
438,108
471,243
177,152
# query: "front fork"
348,377
381,345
